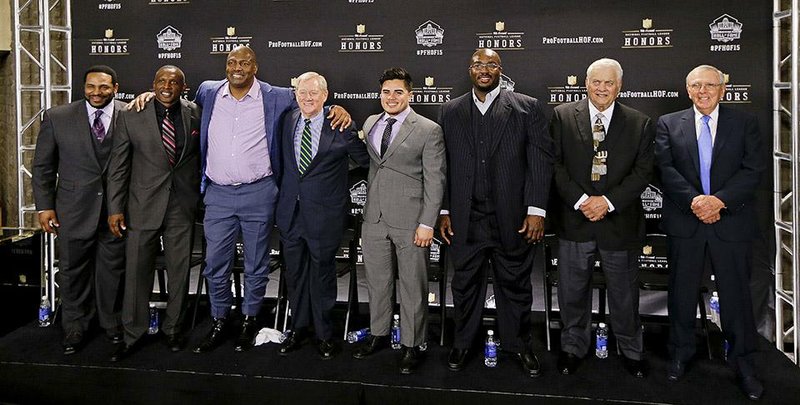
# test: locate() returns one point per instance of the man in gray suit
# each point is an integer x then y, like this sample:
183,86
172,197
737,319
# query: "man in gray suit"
405,189
69,169
153,189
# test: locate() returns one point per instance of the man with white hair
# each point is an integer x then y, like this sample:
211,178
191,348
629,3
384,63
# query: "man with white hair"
603,162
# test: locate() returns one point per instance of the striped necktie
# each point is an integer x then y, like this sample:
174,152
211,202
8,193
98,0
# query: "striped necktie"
98,129
168,138
305,148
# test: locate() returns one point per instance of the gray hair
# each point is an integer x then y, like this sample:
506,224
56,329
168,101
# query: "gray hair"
321,82
605,62
706,67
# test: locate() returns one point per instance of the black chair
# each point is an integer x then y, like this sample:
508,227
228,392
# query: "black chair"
654,276
598,282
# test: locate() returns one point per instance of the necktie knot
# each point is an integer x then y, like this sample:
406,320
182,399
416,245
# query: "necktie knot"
98,114
307,121
705,119
599,118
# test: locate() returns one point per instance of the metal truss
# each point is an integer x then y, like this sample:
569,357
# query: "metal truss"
786,175
42,79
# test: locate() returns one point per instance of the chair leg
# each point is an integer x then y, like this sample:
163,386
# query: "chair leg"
200,282
548,308
442,295
352,290
162,284
701,305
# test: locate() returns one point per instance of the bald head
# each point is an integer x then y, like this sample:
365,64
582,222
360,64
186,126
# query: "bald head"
168,84
241,68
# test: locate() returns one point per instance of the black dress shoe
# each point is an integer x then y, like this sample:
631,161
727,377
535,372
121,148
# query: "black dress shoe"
115,335
529,362
751,387
327,349
73,342
676,370
457,359
293,341
248,334
637,368
214,338
371,345
175,342
409,360
568,363
122,351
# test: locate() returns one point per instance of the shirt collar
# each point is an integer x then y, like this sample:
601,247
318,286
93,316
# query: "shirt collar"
400,117
607,113
107,110
317,117
254,92
490,96
714,114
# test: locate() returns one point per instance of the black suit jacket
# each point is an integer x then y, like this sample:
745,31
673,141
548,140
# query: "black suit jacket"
67,177
140,177
322,191
736,165
520,165
629,141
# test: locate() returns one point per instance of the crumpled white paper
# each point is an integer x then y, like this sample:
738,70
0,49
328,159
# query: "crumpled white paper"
268,335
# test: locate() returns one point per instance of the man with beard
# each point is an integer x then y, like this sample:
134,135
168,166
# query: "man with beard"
500,162
154,188
69,170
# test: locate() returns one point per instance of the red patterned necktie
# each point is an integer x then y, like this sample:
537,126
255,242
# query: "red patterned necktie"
168,138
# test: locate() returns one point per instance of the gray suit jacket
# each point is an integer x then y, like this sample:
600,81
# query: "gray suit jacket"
140,177
67,177
406,186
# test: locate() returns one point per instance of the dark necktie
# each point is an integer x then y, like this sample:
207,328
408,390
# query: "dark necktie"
98,129
705,146
168,138
387,135
305,148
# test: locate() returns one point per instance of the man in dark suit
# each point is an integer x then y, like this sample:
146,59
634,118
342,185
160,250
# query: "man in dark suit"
405,188
710,161
240,158
500,162
311,210
69,171
154,189
603,162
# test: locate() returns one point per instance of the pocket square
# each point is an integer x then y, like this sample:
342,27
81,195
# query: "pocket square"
195,132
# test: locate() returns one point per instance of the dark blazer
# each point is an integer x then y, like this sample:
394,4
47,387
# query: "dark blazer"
277,101
322,191
736,165
67,177
140,177
520,166
629,141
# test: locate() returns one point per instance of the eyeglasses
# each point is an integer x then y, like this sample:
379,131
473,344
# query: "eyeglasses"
306,93
707,86
480,66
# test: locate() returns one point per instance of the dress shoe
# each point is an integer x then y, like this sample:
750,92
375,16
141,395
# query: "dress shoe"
529,362
327,349
637,368
73,342
409,360
751,387
676,370
248,335
371,345
122,351
568,363
115,335
457,359
214,338
293,341
175,342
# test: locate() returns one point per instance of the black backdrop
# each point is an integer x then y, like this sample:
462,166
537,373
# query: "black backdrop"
545,46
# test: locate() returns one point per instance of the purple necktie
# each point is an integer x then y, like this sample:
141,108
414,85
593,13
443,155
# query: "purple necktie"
98,129
705,147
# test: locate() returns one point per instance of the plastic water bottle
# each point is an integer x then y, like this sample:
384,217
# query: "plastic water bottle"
396,332
357,335
45,314
601,344
713,304
490,351
726,347
153,329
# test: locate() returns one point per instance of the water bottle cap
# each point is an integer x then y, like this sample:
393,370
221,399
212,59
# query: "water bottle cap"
490,332
601,325
714,294
396,316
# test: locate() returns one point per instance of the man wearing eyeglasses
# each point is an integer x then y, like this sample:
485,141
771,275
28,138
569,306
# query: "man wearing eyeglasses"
500,162
603,162
311,210
710,161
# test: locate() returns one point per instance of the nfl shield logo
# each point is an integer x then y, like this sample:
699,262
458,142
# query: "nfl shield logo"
361,28
572,80
109,33
647,23
429,81
500,26
231,31
647,250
